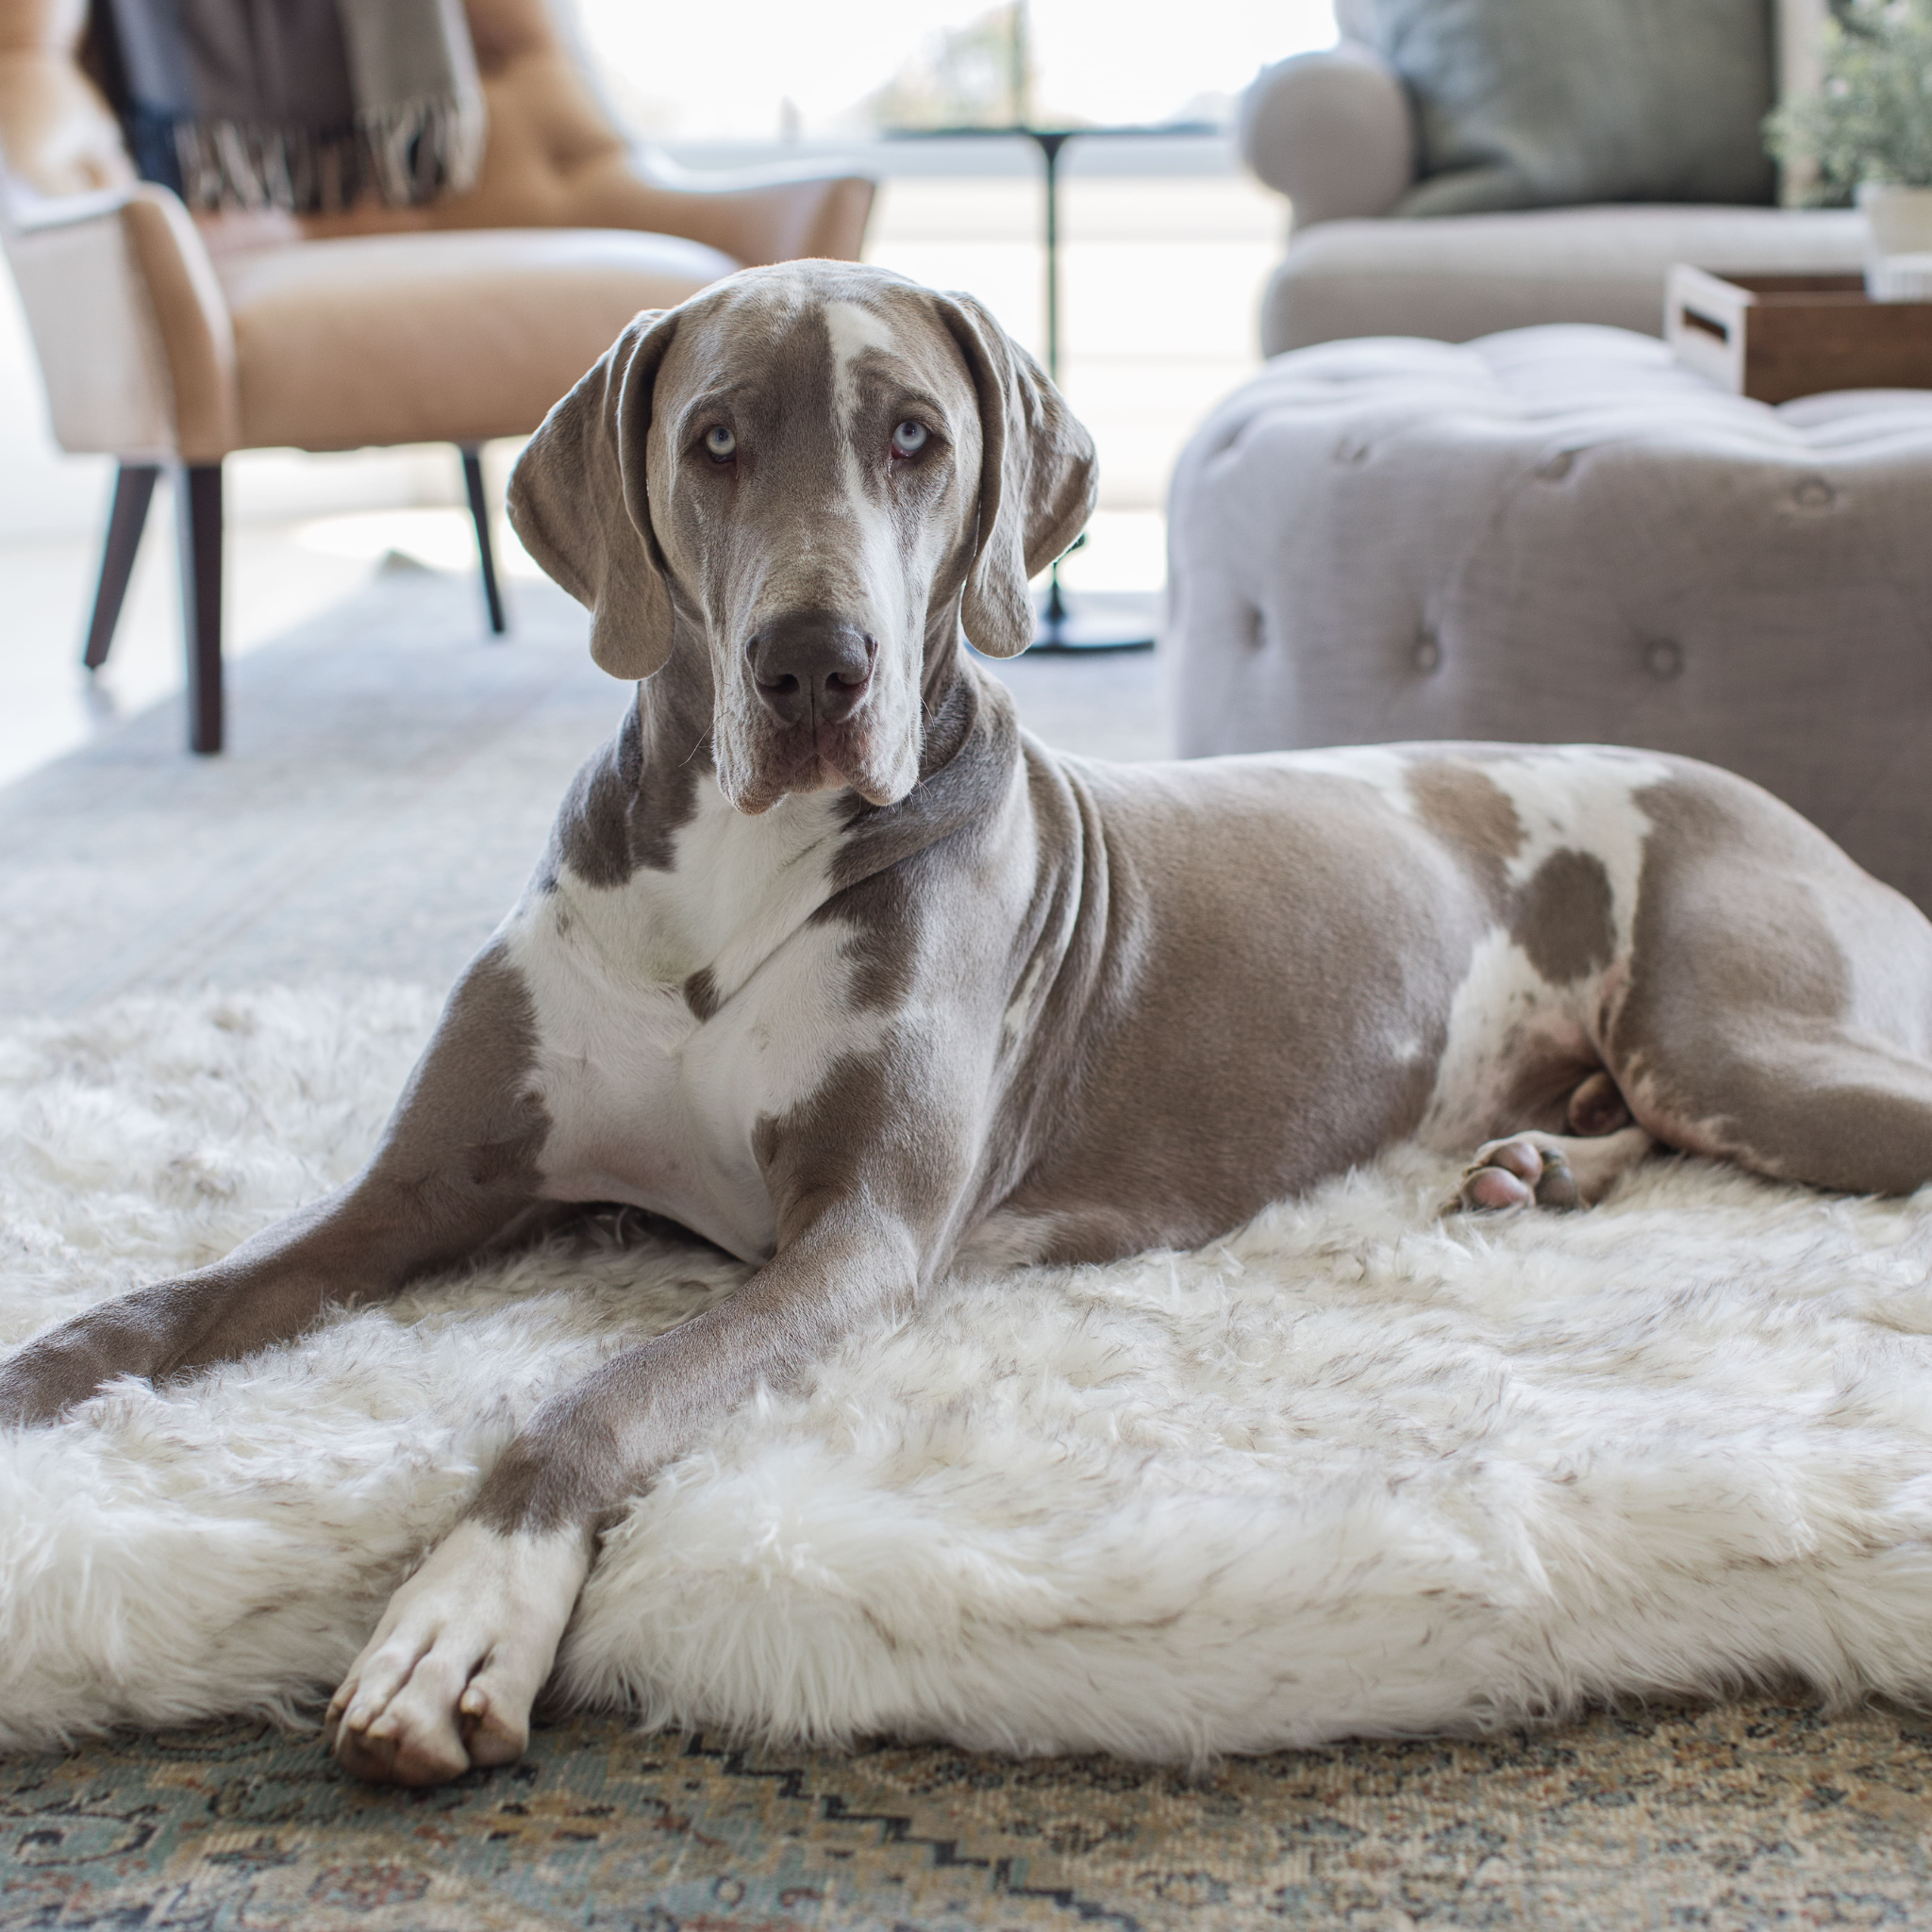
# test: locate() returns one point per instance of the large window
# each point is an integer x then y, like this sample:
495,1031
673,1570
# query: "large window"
774,69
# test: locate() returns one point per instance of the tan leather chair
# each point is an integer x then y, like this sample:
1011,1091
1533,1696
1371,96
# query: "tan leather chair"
168,339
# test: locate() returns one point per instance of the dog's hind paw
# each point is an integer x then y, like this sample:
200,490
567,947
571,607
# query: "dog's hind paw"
1524,1171
1537,1170
447,1681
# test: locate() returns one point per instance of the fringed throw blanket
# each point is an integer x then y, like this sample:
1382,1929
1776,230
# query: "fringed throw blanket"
306,105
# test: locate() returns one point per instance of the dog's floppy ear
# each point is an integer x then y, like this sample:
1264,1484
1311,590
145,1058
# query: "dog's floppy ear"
1037,478
580,502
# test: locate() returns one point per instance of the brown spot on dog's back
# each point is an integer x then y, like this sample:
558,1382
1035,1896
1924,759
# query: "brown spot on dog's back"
1565,916
701,994
1466,807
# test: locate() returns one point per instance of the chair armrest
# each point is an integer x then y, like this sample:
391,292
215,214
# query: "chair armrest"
1333,131
197,332
23,211
128,323
93,326
769,215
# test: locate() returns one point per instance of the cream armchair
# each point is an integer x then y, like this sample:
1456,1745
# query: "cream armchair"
169,342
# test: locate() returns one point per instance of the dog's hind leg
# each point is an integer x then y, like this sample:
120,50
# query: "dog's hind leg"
1822,1105
457,1167
1778,1006
1773,1007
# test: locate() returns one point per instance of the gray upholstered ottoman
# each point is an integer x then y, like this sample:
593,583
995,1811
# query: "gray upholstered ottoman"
1555,534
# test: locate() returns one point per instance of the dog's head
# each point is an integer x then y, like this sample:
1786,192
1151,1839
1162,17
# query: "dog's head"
811,474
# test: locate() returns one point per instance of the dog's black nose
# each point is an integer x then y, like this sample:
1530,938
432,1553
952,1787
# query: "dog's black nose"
811,665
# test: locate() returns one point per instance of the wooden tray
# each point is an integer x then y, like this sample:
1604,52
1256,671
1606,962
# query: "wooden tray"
1775,336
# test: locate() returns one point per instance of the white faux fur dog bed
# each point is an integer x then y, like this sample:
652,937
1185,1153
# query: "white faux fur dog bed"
1352,1469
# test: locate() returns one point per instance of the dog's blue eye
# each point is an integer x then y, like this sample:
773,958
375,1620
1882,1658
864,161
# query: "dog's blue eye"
909,439
720,442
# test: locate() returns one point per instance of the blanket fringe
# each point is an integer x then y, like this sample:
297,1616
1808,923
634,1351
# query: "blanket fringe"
405,153
419,148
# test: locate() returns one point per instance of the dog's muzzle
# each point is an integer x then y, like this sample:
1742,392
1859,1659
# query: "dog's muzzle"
812,668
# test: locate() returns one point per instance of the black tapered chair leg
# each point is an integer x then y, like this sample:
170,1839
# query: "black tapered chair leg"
198,521
480,515
134,488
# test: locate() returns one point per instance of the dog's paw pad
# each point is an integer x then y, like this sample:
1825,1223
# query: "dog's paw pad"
1514,1174
1490,1190
492,1735
448,1679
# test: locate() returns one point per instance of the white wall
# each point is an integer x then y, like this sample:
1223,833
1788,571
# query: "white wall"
722,73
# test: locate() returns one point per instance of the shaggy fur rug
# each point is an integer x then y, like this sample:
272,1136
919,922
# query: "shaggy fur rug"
1353,1469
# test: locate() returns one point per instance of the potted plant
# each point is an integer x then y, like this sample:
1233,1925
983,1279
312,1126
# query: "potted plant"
1868,130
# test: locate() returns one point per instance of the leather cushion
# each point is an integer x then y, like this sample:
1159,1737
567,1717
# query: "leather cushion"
437,337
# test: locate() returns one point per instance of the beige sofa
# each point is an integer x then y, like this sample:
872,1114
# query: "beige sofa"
1337,133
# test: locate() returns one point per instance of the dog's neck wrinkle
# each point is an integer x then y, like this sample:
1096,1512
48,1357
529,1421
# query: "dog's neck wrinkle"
972,743
945,642
674,708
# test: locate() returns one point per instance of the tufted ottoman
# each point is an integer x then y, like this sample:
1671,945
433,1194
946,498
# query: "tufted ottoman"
1558,534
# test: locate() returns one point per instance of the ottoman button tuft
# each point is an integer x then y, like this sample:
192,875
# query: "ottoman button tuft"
1664,659
1814,492
1428,652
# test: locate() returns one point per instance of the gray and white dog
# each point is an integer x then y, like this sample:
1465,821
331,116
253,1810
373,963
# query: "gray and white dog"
832,963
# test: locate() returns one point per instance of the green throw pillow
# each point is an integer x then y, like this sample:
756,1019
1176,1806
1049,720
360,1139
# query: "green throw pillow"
1551,103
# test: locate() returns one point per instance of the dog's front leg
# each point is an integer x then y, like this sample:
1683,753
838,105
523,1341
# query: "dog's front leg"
457,1166
448,1679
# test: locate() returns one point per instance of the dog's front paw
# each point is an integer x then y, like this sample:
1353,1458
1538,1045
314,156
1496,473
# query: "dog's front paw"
1524,1171
449,1677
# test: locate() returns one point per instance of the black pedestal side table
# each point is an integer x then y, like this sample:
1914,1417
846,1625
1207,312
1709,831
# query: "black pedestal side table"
1063,626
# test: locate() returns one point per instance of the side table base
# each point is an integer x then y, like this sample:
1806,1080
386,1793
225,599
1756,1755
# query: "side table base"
1095,621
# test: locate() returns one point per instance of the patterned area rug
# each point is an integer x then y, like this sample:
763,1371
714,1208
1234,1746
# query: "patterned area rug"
1730,1820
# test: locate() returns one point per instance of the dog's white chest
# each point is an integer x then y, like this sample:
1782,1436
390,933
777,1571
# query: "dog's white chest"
655,1089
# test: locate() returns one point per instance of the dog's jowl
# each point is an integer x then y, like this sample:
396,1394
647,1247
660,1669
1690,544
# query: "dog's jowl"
830,963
